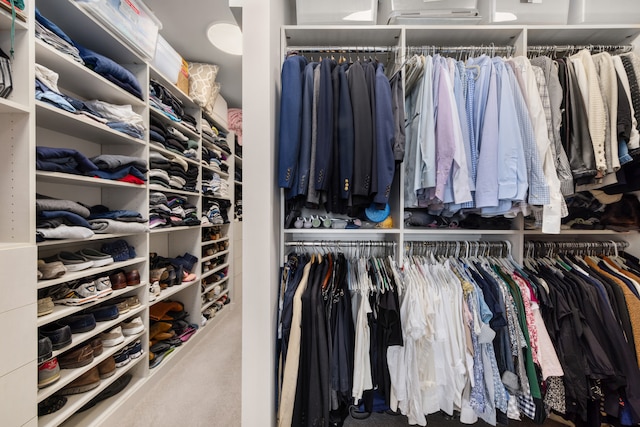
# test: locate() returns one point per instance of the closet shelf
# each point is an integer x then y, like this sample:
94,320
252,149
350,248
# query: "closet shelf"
68,375
60,311
213,225
75,275
337,35
71,179
80,26
171,86
210,242
172,290
213,301
580,233
457,232
328,232
159,149
166,361
5,21
581,34
219,122
179,126
80,126
238,160
216,255
171,229
213,196
95,237
218,171
214,270
219,314
236,182
76,401
213,285
10,106
459,35
81,80
156,187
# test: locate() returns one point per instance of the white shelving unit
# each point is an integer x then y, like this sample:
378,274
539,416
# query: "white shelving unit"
25,124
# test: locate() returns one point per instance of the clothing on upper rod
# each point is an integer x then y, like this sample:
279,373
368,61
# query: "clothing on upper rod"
554,127
341,133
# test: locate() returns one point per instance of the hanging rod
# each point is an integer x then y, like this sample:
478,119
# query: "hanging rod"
460,49
591,47
341,49
542,248
343,243
460,247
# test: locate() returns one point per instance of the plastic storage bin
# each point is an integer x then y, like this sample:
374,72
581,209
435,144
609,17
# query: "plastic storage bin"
547,12
420,12
167,61
131,20
604,12
338,12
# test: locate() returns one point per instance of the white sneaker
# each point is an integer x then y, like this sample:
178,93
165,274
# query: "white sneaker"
113,337
154,291
103,286
133,327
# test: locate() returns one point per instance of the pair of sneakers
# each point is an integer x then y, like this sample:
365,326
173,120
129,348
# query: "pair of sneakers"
82,292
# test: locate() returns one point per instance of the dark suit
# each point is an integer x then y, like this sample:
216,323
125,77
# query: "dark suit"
385,132
324,145
345,134
362,131
290,119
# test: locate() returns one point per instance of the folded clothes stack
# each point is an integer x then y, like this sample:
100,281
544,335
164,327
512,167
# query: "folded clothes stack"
53,35
161,99
171,211
107,221
61,219
122,168
172,139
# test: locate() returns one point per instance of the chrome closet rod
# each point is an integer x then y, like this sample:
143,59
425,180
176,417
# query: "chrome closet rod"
342,49
536,247
343,243
598,47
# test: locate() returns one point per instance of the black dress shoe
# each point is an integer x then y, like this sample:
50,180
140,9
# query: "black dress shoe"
45,348
60,335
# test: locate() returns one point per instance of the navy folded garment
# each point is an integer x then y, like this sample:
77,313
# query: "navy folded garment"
68,217
110,70
126,128
52,27
63,160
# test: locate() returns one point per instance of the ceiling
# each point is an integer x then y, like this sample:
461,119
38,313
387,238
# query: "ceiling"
184,26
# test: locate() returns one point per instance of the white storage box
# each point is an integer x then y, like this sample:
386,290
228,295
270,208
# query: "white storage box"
419,12
131,20
544,12
167,61
336,12
604,12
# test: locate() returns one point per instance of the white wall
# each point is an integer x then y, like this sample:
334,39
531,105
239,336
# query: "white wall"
260,74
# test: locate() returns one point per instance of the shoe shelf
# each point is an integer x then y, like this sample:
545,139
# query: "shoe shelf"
10,106
172,290
189,133
154,147
216,255
168,356
60,311
214,270
83,337
213,301
79,79
158,230
80,126
219,313
95,237
68,375
214,284
75,275
156,187
71,179
77,401
211,242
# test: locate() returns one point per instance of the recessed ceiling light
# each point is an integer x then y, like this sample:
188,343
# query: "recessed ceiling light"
226,37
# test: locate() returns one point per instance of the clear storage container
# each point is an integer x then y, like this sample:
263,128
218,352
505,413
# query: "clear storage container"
604,12
546,12
336,12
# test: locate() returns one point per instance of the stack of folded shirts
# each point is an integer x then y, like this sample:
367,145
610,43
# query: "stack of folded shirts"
159,172
192,149
122,168
50,33
120,117
183,213
214,158
192,178
161,99
178,172
207,178
107,221
213,214
159,211
223,189
64,160
61,219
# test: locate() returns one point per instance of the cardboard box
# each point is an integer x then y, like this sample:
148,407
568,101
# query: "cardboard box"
183,77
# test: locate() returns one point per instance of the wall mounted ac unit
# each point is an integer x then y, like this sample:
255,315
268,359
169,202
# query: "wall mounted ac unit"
420,12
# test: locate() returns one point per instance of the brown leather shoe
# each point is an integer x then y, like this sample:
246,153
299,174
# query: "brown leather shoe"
133,277
107,367
96,346
76,358
85,382
118,280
